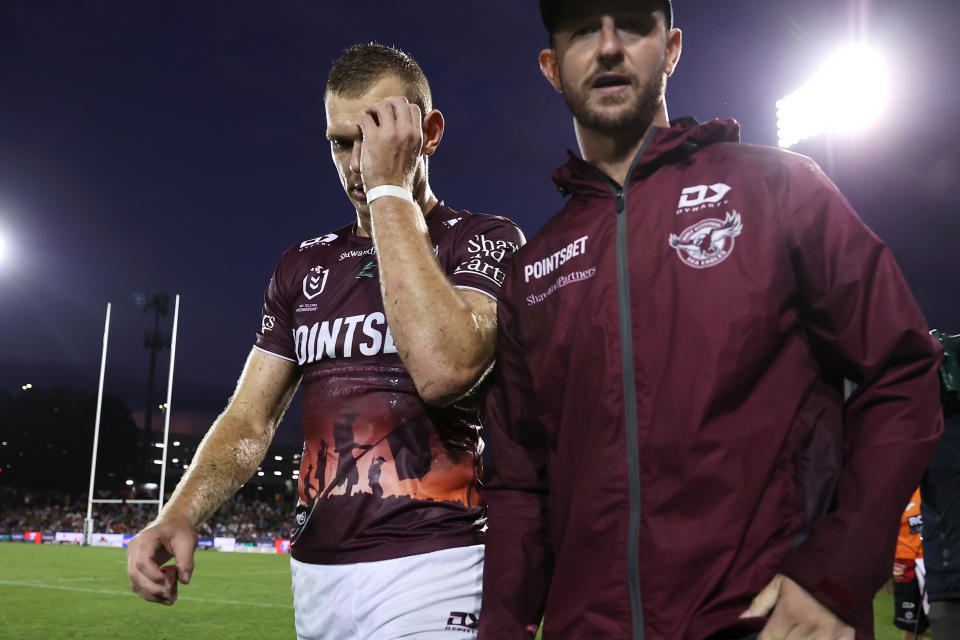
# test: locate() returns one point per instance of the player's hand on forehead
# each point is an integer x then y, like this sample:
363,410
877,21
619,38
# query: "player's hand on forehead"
392,140
394,110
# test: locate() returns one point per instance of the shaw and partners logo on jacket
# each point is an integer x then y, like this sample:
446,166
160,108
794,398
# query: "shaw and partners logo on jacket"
343,337
708,242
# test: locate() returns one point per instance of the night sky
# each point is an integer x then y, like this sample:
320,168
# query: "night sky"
179,147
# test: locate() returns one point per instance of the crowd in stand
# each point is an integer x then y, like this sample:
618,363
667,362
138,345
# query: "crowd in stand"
246,519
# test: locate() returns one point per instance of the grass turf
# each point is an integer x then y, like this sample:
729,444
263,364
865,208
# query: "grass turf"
52,591
68,592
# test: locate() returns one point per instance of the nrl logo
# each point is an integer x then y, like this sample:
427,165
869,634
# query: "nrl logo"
708,242
314,282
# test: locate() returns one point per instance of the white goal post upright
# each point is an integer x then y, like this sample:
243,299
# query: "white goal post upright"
167,409
88,521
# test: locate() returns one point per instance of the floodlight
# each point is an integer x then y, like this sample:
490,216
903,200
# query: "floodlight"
847,94
129,483
150,486
276,473
278,457
158,462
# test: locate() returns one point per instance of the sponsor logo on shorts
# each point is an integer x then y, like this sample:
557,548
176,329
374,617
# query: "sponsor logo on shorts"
268,323
462,621
708,242
314,282
702,196
322,240
555,260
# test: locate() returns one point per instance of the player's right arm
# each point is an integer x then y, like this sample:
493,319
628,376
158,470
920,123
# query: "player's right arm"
226,458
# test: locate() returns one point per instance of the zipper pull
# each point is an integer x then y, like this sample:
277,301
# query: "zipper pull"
620,201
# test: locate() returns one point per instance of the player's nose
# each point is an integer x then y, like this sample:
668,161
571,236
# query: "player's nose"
355,158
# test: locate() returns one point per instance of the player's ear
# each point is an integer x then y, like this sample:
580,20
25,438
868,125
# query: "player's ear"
432,131
674,47
549,68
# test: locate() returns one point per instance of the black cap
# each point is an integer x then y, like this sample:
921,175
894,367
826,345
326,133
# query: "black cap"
550,11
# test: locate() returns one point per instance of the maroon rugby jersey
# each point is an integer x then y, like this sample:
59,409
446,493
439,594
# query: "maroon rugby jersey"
383,475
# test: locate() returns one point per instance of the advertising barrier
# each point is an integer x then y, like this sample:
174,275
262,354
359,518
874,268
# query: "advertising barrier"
69,537
225,544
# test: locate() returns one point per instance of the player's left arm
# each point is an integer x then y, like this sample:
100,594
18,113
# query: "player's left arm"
863,324
445,336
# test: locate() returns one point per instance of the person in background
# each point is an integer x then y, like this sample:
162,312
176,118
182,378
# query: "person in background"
940,507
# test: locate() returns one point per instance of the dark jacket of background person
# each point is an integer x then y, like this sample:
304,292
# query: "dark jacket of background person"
749,462
941,516
940,488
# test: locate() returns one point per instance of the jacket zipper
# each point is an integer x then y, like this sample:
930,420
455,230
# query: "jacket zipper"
629,393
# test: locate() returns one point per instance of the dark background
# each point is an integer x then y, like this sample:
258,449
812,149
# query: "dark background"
179,146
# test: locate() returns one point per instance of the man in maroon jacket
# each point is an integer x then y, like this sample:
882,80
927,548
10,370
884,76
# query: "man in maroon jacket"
672,454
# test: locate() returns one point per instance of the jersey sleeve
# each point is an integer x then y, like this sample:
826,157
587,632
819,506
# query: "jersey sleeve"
276,324
482,252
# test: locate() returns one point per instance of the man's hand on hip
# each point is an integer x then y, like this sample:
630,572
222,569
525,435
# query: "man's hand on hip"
796,614
165,538
392,132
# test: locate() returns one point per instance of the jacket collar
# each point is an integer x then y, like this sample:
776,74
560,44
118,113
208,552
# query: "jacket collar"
667,146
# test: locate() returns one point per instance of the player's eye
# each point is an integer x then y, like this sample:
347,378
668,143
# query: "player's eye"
638,27
339,144
584,30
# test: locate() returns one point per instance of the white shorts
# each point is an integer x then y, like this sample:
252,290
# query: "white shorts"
431,596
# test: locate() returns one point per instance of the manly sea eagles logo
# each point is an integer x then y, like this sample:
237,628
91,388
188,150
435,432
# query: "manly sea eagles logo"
708,242
314,282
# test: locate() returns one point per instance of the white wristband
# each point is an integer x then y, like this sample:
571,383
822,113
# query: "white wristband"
388,190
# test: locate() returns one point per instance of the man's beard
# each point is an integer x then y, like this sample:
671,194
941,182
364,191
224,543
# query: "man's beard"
636,117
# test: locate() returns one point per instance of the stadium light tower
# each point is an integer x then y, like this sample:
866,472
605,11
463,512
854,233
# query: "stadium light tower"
848,93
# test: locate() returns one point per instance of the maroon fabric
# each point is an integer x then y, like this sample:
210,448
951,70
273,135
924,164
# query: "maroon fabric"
382,474
755,290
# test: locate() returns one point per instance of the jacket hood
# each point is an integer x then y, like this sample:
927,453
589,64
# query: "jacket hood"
668,145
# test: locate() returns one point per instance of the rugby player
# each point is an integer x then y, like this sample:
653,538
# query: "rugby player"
675,459
389,322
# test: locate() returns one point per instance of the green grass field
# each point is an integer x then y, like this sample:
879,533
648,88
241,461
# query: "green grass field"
52,592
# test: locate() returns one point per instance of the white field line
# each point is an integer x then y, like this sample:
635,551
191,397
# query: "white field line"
58,587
